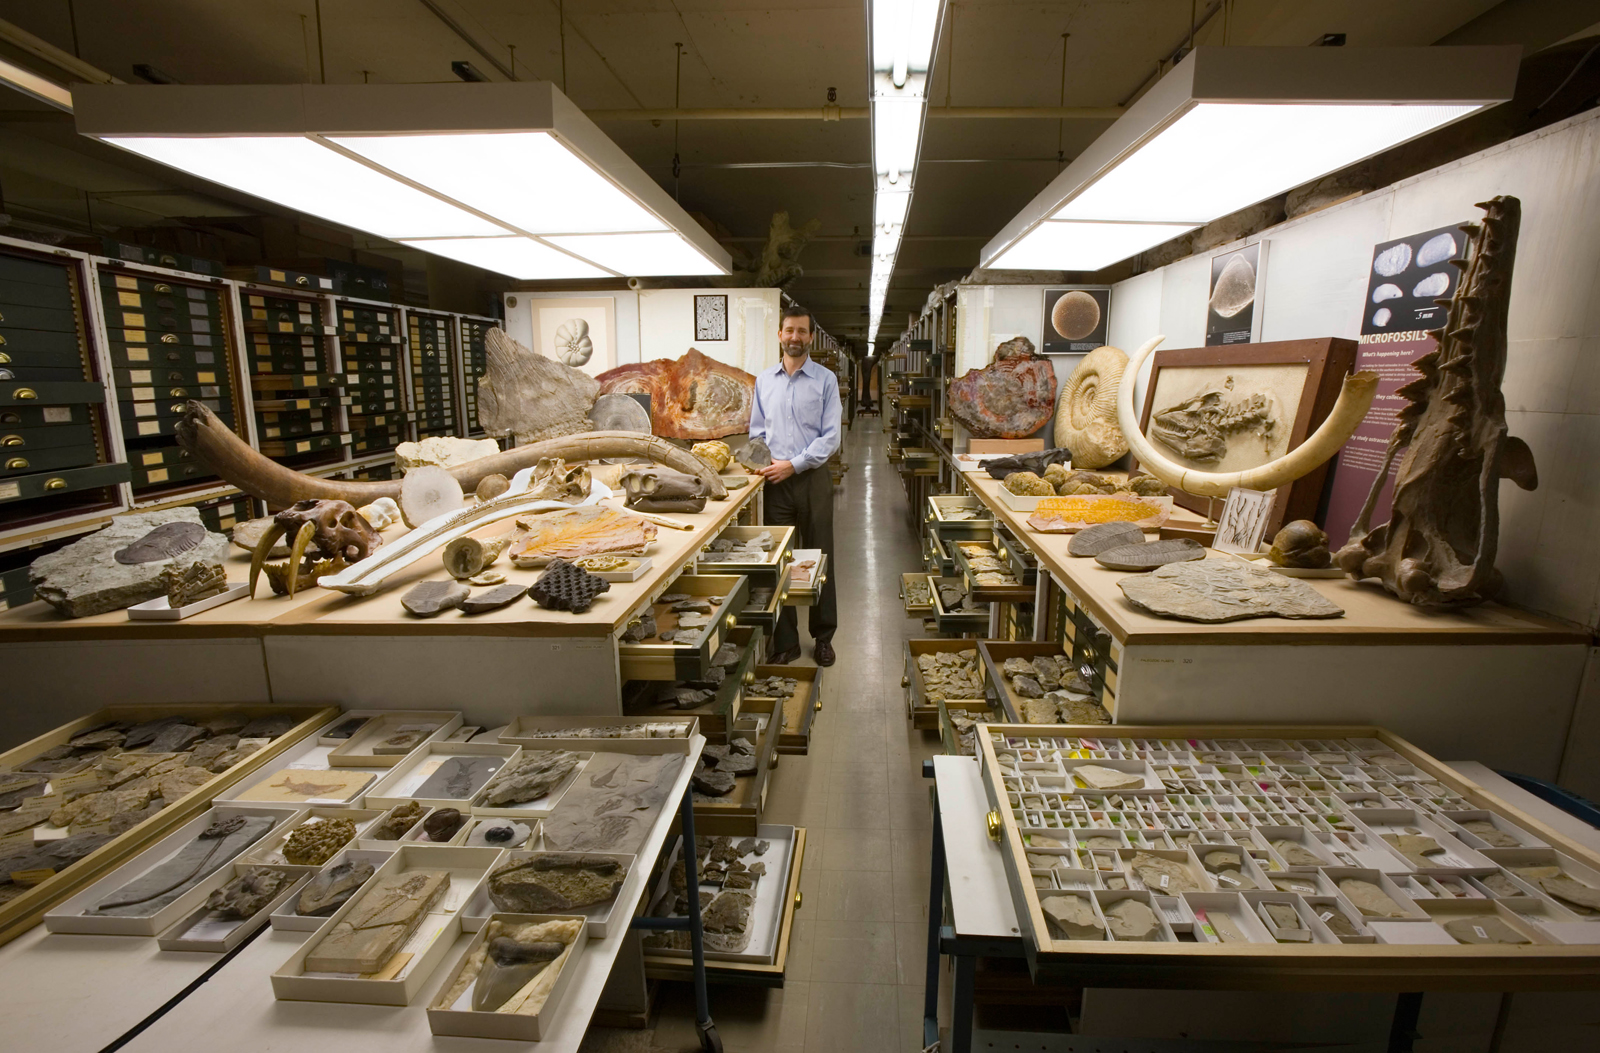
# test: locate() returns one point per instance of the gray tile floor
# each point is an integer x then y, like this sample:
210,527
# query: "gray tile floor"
854,980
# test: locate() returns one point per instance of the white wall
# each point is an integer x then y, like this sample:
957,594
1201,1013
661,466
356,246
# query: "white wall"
1316,280
659,323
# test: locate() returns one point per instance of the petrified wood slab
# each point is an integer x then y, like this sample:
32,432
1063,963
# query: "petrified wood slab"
1093,540
1010,399
380,922
429,599
694,397
613,803
530,396
1152,554
1214,590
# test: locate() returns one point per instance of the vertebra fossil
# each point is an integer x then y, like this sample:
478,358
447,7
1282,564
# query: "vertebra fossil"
1438,548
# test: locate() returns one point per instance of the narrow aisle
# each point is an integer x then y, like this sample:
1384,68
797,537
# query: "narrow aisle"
854,981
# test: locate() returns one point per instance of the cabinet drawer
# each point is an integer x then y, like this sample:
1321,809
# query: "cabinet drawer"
945,514
738,814
127,379
23,317
67,480
295,381
177,474
223,513
13,393
184,356
114,284
657,659
171,409
957,621
21,462
28,271
19,438
795,714
122,337
766,574
313,444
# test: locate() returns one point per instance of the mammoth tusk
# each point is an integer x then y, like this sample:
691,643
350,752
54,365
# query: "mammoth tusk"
1355,398
258,555
215,445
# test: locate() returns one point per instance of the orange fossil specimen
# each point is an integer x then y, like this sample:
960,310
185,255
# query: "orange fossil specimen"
1055,515
571,534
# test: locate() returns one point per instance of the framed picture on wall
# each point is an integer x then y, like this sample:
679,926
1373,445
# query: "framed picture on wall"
581,333
710,316
1233,306
1227,409
1075,320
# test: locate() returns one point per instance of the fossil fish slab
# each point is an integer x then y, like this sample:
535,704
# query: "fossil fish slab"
555,882
211,849
612,803
1095,539
1214,590
379,923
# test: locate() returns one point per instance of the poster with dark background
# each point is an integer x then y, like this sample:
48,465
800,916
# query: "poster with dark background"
1075,320
1234,302
1406,277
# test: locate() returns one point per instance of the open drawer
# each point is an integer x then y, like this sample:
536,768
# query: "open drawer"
762,608
967,553
739,813
917,606
805,594
951,516
658,659
995,653
957,621
1016,555
716,716
950,735
924,711
795,713
936,555
658,966
766,573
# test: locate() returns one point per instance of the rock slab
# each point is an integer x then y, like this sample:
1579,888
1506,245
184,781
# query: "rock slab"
86,578
1215,590
379,923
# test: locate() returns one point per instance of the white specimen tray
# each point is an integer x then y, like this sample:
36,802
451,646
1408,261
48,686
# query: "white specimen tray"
159,610
284,915
476,914
407,777
540,807
200,931
767,915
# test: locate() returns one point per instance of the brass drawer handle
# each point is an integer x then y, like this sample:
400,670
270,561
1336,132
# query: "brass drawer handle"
177,393
57,483
13,463
169,338
992,821
905,681
13,440
25,393
731,621
749,676
3,356
797,900
176,407
163,288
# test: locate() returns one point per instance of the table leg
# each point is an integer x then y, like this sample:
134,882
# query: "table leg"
930,996
1403,1030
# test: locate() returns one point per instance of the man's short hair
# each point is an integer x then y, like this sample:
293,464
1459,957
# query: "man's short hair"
795,311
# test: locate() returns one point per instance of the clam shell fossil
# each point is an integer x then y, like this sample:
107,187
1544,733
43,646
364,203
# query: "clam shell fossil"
573,345
1435,284
1386,291
1436,249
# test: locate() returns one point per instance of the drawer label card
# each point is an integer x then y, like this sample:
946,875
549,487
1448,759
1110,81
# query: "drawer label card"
129,299
58,414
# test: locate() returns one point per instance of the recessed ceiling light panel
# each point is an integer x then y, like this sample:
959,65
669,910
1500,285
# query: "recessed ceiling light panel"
642,254
521,258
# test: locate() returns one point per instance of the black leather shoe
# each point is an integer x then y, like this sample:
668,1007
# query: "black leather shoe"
785,657
824,653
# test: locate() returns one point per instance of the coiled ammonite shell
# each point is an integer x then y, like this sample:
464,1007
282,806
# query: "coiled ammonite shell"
573,345
1086,417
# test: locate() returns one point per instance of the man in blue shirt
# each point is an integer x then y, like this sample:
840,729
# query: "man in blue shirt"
796,412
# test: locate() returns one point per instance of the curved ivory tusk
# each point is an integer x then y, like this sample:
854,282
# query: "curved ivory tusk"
1355,398
258,556
215,445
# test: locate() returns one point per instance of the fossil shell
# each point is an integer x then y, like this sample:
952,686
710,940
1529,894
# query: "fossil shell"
1436,249
573,345
1086,416
1435,284
1386,291
1393,260
1381,316
167,541
1075,315
1236,287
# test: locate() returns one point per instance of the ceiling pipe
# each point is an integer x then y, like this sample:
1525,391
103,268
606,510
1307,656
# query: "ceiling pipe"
853,113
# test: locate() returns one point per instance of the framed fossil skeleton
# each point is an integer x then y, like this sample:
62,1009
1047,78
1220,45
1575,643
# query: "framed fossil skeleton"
1224,409
578,332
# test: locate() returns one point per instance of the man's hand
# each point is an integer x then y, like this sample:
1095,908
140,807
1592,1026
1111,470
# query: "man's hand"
777,471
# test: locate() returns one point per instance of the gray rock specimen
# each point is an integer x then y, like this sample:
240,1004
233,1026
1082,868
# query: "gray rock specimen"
1416,848
394,825
427,599
1572,893
267,727
248,893
1150,555
381,920
1027,687
87,577
1337,923
643,629
530,396
534,774
727,921
329,890
950,674
97,739
54,855
1215,590
1484,929
1099,777
1049,669
555,882
1093,540
16,787
712,783
1294,854
498,833
1072,917
313,844
493,599
442,824
1490,834
1130,919
213,847
737,764
1164,877
175,738
459,778
612,804
1016,667
508,966
1369,899
1283,915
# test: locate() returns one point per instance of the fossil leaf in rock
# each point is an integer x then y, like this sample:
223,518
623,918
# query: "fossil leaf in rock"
571,534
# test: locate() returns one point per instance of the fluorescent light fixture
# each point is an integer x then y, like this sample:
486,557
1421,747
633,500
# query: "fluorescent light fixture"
526,178
513,165
518,257
1079,246
903,36
647,254
1229,127
890,207
310,178
896,134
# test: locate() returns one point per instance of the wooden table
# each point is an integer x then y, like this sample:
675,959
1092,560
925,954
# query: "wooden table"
363,652
1490,682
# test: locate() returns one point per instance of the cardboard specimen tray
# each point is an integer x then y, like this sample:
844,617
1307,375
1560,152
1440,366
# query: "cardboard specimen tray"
410,779
946,521
208,931
600,919
460,1019
1332,789
388,738
610,734
25,910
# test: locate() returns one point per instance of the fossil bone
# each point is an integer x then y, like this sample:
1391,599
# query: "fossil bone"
1438,548
327,536
467,556
663,490
214,444
1355,398
555,480
428,491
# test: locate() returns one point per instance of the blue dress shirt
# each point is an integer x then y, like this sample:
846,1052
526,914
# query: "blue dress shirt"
797,416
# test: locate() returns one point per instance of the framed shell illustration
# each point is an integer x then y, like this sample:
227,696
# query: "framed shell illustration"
573,346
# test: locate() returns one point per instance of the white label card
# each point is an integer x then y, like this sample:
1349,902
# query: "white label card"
1243,522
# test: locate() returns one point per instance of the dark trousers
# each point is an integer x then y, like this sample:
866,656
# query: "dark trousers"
805,501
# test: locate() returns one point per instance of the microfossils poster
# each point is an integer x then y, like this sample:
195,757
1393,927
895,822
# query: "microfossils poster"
1233,309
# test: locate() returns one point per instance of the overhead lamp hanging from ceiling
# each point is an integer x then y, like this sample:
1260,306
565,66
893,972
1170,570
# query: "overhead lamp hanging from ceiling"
1231,126
509,177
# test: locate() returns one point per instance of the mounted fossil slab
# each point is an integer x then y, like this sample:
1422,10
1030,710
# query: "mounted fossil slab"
694,397
1215,590
124,563
1010,399
1438,548
577,532
1200,427
1148,555
525,394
